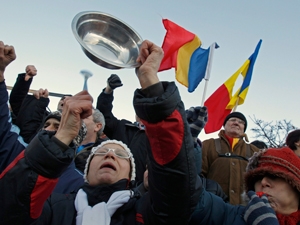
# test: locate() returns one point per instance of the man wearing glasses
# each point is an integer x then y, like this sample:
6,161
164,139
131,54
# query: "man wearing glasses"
224,159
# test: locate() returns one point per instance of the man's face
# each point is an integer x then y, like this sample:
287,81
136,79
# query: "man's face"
297,151
109,168
234,127
60,105
91,126
282,197
51,124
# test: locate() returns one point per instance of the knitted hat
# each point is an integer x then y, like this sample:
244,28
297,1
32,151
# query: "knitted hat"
56,115
282,162
293,137
94,149
236,115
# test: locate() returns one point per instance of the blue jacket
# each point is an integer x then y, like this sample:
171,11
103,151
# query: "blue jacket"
212,210
10,143
70,181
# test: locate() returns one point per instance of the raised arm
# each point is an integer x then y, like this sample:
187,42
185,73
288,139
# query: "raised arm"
32,113
7,55
10,146
172,173
105,105
21,88
31,177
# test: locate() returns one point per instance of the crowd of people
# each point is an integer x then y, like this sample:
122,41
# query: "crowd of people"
80,164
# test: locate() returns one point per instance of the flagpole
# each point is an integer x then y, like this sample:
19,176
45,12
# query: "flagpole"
208,69
53,94
204,92
236,105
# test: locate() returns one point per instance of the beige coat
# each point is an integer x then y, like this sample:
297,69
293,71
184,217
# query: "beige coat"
227,171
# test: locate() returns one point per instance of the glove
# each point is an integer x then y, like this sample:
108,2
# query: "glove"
197,118
114,81
258,211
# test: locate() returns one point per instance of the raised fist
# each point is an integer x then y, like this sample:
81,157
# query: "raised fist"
31,71
197,118
7,55
41,93
114,81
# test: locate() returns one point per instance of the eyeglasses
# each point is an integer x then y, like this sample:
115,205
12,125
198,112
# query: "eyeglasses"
117,152
237,120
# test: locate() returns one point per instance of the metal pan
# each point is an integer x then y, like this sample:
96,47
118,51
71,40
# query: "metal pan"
106,40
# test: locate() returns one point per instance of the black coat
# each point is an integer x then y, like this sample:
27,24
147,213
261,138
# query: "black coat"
18,93
26,186
28,111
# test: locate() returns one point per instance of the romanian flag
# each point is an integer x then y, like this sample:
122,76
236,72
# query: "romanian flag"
221,102
182,51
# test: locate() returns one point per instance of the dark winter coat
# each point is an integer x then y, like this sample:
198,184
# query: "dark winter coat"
29,181
10,143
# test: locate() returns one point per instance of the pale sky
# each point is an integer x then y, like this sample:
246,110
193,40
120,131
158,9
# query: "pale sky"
41,33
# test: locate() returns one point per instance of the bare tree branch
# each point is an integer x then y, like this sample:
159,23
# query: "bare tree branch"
272,133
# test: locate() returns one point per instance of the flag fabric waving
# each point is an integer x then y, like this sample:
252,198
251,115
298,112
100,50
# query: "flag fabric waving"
182,51
221,102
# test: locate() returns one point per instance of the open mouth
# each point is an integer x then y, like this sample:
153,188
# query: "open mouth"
108,165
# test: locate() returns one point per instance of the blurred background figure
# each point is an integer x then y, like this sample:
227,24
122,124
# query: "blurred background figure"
259,144
86,75
293,141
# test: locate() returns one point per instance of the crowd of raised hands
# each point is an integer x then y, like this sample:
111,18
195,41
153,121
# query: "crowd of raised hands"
160,150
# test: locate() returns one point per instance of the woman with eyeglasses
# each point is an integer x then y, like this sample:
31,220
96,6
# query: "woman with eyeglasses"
107,197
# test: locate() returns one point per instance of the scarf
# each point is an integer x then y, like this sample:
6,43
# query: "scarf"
232,141
291,219
100,213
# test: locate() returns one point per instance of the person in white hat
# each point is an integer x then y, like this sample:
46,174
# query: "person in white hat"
107,197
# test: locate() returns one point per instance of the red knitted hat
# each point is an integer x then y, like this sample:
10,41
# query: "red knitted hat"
282,162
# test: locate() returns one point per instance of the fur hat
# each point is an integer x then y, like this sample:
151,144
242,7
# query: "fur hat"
237,115
282,162
293,137
94,149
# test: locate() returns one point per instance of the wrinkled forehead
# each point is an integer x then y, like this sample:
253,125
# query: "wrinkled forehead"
234,118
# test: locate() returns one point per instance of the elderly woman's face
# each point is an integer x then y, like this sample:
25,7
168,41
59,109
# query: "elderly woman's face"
282,197
109,168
